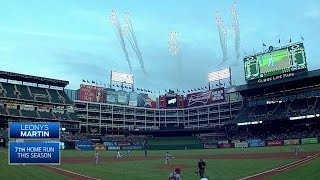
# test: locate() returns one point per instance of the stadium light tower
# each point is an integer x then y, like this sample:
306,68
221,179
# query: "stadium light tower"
122,78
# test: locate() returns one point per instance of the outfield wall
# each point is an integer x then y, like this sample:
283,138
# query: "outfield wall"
115,146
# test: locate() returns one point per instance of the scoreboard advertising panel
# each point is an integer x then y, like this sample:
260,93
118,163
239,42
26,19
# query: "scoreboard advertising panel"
34,143
205,98
274,62
92,93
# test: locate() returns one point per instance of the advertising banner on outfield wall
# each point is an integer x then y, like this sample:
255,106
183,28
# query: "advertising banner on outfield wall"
223,142
241,145
99,147
225,145
91,93
132,147
256,143
291,142
210,146
108,143
123,143
275,143
309,140
84,145
113,148
204,98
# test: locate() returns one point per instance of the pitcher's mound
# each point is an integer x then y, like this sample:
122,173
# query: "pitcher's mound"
173,166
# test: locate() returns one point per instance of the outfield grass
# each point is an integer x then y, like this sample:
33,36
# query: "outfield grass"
310,171
139,170
24,172
150,169
275,149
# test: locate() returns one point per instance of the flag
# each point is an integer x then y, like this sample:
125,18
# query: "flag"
83,80
88,81
138,89
202,88
279,41
105,85
302,39
165,90
117,85
264,45
188,90
290,40
129,87
93,82
183,91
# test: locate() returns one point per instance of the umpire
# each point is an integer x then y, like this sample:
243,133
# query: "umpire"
201,167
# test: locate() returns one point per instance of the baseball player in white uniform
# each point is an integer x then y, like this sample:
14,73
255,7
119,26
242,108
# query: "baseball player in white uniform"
96,157
118,155
167,158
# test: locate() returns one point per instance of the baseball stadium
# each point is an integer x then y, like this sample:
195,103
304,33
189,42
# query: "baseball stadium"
265,128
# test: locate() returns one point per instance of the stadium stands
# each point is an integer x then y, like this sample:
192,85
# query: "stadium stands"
9,90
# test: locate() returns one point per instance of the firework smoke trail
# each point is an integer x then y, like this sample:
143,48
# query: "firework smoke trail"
236,30
117,27
222,36
131,36
174,48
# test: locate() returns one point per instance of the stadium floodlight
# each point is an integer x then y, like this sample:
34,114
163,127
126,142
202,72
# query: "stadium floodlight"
122,77
219,75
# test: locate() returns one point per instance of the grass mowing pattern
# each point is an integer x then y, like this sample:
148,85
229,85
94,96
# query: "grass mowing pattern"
140,170
310,171
276,149
24,172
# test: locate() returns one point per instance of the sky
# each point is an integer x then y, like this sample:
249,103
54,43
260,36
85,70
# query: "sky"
74,40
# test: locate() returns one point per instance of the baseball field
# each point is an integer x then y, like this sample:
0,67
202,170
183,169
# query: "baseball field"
248,163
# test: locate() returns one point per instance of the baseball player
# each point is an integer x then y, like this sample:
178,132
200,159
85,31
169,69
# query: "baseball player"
96,157
201,168
118,155
271,61
129,153
167,158
175,175
297,150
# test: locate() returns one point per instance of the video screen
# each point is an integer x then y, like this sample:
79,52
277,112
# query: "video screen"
285,60
171,102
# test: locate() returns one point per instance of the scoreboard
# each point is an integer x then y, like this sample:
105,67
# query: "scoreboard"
274,62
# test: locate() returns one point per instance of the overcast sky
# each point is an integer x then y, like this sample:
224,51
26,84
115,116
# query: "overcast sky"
74,40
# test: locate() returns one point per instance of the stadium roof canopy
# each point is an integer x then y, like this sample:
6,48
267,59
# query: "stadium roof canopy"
310,78
33,79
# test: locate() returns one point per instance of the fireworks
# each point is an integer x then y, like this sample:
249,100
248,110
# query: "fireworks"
119,31
222,36
131,36
173,44
236,31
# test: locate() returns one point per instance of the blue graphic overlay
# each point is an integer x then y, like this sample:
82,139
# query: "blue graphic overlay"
34,153
35,130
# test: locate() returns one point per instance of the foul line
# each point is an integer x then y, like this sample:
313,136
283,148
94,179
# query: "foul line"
284,167
93,178
71,172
